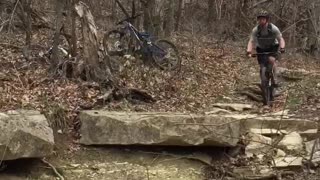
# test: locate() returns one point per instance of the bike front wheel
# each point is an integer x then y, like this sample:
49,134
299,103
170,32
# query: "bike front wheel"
268,93
165,55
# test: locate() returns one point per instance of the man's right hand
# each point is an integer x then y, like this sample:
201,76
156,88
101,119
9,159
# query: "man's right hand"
249,54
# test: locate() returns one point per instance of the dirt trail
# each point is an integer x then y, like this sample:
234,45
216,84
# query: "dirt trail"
120,163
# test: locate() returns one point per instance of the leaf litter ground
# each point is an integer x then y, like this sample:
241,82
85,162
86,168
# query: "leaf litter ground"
210,73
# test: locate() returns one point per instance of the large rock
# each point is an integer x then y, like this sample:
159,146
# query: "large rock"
287,162
258,144
292,142
123,128
24,134
313,151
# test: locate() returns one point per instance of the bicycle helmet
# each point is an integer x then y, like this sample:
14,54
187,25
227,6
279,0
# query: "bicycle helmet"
263,13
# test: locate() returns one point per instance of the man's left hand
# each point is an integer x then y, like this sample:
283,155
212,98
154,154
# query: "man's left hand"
249,54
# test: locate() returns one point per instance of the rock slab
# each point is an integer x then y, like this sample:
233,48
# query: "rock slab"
234,107
25,134
124,128
279,123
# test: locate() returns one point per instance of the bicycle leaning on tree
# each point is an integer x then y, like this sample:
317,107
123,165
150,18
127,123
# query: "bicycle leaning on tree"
127,40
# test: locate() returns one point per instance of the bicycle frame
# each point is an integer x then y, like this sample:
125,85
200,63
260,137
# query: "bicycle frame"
134,32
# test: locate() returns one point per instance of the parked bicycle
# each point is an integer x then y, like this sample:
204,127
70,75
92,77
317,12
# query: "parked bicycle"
127,40
268,89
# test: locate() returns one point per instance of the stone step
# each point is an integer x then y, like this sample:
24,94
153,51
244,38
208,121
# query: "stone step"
124,128
178,129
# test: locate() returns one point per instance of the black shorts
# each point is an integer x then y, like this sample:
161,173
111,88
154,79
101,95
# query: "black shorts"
263,59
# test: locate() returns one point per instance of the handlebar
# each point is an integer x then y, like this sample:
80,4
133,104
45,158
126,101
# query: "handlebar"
264,53
129,19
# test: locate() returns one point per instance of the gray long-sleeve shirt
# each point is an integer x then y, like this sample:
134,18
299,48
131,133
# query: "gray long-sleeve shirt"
266,39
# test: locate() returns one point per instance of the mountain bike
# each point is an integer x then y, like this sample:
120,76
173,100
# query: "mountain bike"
267,87
127,40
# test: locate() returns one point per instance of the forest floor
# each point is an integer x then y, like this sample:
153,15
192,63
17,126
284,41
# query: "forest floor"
211,72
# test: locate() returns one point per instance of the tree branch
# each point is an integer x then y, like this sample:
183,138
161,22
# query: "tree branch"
53,168
261,2
122,8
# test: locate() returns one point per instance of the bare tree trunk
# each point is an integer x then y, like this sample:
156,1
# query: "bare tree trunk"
25,17
133,7
55,54
90,65
179,14
28,22
138,21
90,47
73,29
293,32
149,10
313,43
169,18
210,13
133,12
240,14
113,10
73,35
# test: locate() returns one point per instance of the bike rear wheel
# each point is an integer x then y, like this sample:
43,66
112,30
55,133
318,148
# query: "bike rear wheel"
165,55
268,95
115,43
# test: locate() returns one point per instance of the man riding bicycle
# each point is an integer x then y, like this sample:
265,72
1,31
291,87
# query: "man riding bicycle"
267,38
